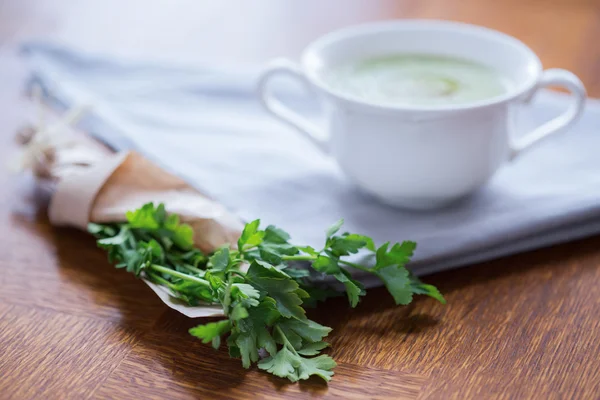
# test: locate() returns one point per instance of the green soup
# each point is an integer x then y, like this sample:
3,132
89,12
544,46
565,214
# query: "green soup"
417,79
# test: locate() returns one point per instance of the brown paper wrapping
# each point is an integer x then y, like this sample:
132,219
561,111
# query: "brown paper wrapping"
106,190
93,184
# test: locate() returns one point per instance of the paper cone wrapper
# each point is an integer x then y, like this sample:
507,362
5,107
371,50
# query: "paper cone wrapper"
117,183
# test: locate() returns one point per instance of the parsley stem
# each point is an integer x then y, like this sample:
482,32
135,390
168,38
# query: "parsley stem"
357,266
299,258
177,274
159,279
226,301
239,273
193,270
285,340
313,258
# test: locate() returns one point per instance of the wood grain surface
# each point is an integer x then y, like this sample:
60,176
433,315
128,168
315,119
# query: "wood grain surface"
72,327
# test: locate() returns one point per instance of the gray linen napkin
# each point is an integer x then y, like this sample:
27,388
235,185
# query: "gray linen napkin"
207,127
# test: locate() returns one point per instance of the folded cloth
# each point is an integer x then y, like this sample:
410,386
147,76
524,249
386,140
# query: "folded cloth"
207,127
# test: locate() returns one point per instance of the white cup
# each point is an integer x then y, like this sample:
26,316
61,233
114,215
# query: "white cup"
421,157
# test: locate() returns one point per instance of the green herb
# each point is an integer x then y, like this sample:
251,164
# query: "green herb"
259,284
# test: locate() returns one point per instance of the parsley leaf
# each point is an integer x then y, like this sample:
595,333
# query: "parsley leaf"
333,229
307,330
279,286
397,283
283,364
345,245
291,365
419,287
265,305
399,254
220,259
145,217
251,236
354,289
251,333
211,332
312,349
276,235
326,265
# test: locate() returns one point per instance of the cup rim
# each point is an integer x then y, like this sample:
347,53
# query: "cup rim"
311,51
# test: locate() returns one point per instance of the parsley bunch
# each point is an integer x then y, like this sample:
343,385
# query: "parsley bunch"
262,290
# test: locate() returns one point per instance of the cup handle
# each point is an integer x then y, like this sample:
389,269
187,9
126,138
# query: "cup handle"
553,77
280,111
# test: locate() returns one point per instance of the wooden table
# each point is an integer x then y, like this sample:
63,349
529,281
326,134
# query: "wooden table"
71,326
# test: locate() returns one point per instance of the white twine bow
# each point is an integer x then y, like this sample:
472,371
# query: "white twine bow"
40,141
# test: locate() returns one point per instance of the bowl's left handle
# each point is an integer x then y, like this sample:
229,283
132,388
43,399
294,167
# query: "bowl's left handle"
282,112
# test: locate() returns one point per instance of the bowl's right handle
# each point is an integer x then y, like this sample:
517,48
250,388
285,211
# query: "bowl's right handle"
554,77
